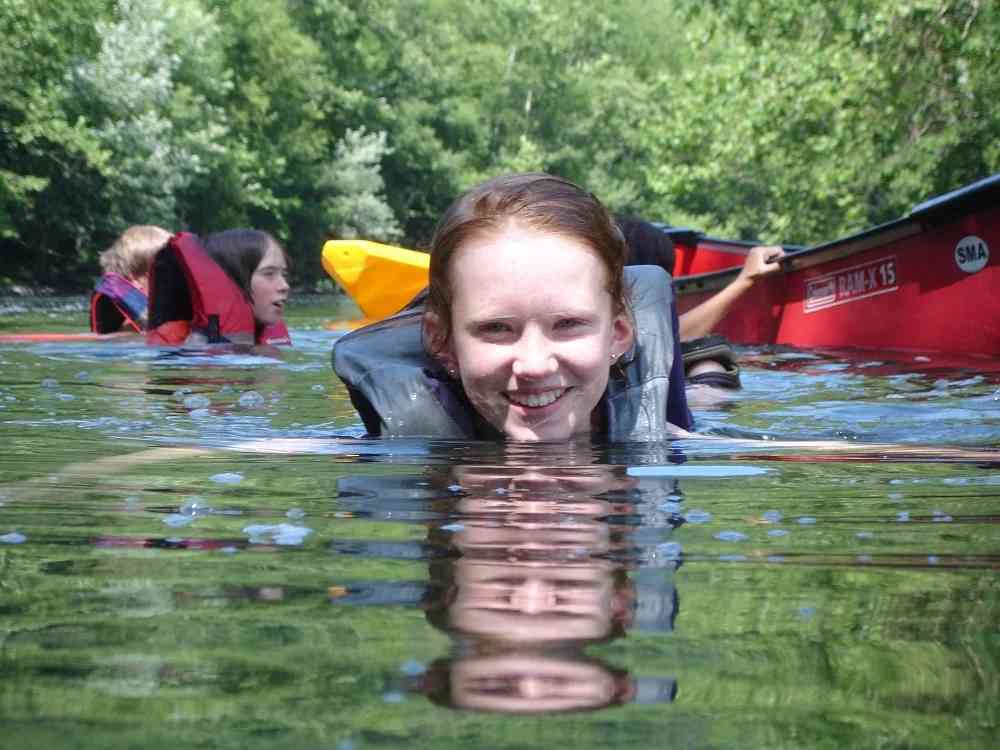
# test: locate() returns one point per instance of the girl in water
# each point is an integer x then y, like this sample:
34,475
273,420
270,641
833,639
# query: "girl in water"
531,328
230,287
119,299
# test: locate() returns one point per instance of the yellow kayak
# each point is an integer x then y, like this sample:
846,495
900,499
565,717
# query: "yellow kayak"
381,279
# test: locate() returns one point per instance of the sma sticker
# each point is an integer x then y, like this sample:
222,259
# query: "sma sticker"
972,254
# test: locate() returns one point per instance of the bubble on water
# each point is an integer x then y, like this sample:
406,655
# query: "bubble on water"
319,388
696,515
669,551
49,383
670,506
865,535
195,506
295,513
177,520
412,667
777,532
281,533
251,400
772,516
66,397
903,516
453,527
227,477
197,402
731,536
14,537
806,520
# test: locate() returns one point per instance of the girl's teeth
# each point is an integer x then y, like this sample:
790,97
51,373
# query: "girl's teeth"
538,399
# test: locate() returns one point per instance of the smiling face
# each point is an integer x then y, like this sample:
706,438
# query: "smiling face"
533,331
269,286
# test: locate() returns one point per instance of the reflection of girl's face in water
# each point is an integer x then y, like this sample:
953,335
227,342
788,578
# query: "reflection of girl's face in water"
534,582
533,602
533,565
531,683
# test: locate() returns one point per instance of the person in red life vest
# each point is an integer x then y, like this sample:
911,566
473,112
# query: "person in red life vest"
119,299
230,287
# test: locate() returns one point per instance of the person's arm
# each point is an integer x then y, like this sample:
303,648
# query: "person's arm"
699,321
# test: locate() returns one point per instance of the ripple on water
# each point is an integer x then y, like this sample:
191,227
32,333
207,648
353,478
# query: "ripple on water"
365,592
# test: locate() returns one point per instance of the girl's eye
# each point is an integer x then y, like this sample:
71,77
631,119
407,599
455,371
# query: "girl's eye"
273,273
569,324
493,328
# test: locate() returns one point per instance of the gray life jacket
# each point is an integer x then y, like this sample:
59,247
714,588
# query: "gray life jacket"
400,391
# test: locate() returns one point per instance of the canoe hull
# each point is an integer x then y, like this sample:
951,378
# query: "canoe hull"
928,282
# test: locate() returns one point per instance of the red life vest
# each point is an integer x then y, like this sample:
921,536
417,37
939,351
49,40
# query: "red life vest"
115,303
190,293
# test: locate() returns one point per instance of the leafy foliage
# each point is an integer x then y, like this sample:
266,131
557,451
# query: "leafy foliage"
794,121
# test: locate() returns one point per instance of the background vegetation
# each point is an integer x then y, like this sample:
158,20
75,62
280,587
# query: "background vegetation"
790,120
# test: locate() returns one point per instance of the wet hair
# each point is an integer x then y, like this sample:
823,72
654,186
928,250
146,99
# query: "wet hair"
239,251
535,201
132,253
647,245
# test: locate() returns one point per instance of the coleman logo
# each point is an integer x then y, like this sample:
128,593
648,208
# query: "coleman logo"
972,254
851,284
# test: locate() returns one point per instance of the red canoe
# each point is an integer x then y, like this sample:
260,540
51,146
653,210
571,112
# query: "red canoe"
924,282
696,254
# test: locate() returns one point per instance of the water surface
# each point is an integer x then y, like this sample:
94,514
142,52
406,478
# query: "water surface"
201,550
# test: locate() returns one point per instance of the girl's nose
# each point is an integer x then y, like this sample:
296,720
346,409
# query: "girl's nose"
533,597
534,358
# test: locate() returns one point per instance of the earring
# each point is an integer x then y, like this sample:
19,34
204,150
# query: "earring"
613,356
452,372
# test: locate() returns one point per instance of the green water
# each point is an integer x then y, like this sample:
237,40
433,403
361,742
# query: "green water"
164,581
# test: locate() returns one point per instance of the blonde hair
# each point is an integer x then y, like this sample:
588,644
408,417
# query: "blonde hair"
133,251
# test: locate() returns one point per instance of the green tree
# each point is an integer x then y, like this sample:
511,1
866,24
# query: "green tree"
803,121
49,160
143,94
356,206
